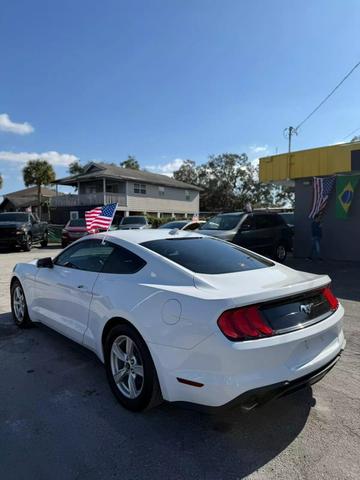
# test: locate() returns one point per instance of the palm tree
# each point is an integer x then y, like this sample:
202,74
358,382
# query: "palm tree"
38,172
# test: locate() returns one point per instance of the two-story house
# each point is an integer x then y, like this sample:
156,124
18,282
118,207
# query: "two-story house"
135,191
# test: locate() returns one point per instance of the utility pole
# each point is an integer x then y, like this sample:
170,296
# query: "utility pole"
288,133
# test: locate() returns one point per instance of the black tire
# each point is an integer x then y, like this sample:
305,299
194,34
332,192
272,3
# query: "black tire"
28,243
22,321
149,394
64,244
45,240
280,252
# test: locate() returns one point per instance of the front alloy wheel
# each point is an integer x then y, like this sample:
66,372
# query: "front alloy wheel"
18,305
130,369
28,243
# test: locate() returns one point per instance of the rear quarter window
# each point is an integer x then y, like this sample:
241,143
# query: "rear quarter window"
207,255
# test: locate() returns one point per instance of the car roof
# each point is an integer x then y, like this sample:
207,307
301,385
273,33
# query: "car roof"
140,236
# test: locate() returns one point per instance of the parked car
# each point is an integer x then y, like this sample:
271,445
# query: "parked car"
73,230
134,222
21,229
184,317
183,224
265,233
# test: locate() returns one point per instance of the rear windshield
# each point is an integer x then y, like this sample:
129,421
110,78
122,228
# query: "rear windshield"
222,222
14,217
78,222
133,220
207,255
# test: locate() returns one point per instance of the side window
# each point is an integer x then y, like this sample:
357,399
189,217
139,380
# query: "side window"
248,223
88,255
122,261
278,220
192,226
264,221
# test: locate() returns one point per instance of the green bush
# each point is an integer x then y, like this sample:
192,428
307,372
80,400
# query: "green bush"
157,222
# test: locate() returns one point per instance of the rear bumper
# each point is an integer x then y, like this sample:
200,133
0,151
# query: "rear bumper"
260,396
249,373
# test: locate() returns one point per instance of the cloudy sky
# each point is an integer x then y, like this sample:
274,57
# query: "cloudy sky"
169,80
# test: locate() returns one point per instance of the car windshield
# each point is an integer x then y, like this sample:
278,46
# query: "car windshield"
14,217
133,220
222,222
77,222
179,224
207,255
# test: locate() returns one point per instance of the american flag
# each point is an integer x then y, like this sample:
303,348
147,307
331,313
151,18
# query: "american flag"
322,188
100,217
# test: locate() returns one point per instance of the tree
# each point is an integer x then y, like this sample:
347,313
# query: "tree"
38,172
187,173
229,181
1,181
355,139
130,162
75,168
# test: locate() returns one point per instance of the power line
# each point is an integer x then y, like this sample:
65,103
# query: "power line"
351,133
328,96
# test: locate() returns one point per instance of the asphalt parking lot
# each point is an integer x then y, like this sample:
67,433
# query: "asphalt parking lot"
59,420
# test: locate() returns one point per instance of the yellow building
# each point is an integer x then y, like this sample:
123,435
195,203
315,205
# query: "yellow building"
341,237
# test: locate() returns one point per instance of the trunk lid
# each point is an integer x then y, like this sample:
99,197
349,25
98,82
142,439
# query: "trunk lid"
261,285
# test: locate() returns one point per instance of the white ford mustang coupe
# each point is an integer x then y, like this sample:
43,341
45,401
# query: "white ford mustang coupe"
178,316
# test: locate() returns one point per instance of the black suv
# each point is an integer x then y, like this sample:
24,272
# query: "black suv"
23,230
262,232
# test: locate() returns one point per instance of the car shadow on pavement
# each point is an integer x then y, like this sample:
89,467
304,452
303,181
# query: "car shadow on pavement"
57,400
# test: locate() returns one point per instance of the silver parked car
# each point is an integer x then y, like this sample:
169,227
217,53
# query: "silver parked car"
134,222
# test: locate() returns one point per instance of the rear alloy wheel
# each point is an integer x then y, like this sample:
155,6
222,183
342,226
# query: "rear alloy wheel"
280,253
130,369
18,305
45,240
28,243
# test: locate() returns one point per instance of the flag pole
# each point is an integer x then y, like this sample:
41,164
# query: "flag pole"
112,218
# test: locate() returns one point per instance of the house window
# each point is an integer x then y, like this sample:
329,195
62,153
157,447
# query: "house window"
187,195
161,191
140,188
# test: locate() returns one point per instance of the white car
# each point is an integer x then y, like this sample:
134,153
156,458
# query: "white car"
184,317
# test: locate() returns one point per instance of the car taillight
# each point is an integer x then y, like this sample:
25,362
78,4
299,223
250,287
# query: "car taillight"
330,297
244,323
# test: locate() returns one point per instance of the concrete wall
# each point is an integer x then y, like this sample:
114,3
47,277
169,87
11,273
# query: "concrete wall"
341,238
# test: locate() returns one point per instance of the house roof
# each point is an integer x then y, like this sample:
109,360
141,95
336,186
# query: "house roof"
27,196
104,170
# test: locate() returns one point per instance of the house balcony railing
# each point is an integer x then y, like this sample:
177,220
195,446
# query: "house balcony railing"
88,199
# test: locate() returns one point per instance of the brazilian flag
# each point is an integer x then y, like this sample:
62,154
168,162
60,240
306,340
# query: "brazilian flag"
345,190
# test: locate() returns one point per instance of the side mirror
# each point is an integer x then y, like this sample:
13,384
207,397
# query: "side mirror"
45,263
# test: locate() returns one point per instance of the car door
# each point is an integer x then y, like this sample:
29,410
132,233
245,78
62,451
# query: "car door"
64,292
116,290
265,233
246,235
